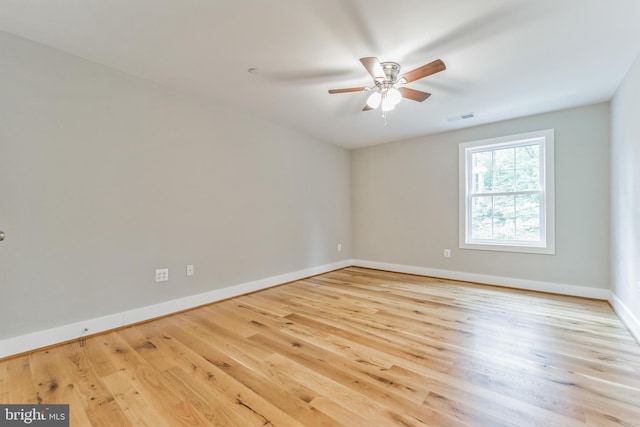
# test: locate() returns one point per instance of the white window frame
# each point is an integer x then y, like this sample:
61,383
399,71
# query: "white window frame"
547,203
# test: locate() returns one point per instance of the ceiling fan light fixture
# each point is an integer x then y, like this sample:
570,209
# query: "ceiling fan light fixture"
394,96
388,85
374,100
387,103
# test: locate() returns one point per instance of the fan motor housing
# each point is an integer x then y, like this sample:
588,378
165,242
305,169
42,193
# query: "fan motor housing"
391,70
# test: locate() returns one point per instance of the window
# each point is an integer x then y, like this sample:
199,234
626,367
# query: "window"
507,193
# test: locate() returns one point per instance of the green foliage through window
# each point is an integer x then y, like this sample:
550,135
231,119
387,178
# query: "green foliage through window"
506,193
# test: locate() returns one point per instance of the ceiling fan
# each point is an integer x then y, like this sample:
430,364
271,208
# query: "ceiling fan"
388,89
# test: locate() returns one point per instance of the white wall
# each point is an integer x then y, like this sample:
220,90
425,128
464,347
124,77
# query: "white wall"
105,178
625,198
405,203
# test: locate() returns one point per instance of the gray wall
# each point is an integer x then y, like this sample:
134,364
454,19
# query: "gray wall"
625,193
105,178
405,201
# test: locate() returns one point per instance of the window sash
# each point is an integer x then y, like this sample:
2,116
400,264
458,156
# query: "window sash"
536,142
539,242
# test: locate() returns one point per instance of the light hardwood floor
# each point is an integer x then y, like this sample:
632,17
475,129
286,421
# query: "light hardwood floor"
354,347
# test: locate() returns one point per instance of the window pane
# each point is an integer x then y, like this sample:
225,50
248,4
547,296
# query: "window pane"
528,205
527,168
504,228
527,155
528,217
504,170
504,206
505,158
482,171
528,229
481,217
527,179
504,217
482,229
503,180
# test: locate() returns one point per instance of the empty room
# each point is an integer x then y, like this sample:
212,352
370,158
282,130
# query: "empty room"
320,213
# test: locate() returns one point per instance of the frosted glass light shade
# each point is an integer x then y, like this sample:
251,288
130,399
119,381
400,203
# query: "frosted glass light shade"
394,96
387,103
374,100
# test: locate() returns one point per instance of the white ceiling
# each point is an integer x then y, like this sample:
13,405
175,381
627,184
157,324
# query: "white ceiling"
505,58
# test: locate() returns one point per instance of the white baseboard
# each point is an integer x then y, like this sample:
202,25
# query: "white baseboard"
25,343
531,285
626,315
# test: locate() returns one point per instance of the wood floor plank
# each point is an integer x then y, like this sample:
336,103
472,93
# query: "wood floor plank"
19,384
226,364
137,408
216,372
353,347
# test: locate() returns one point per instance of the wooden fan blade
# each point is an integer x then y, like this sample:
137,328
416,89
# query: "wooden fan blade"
424,71
373,66
415,95
349,89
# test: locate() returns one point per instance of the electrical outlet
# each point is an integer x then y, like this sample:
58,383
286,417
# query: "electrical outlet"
447,253
190,270
339,247
162,275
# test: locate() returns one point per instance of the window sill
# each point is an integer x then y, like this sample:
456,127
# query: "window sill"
509,248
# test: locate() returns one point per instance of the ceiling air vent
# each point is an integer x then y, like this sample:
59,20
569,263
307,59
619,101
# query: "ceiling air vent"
461,117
